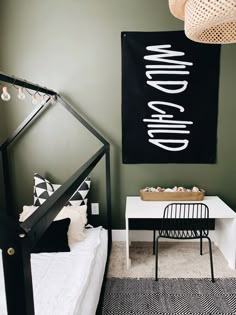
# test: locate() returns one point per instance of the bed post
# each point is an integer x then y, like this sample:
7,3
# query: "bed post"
18,279
7,183
108,193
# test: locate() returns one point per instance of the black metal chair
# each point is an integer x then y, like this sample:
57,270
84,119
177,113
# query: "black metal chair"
184,221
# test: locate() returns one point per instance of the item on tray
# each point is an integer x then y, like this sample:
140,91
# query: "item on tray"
174,189
175,194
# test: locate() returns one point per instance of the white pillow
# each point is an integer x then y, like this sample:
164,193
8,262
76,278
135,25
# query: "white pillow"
27,211
77,215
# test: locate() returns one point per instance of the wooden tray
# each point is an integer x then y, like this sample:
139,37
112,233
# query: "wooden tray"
172,196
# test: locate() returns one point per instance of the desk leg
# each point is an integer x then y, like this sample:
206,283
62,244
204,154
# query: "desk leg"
225,233
128,260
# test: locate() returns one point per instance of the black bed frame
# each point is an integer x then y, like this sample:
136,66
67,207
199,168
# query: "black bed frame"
17,240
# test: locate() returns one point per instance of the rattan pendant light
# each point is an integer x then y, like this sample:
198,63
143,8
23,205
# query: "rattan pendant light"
207,21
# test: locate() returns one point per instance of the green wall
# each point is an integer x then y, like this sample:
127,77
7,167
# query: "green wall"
73,46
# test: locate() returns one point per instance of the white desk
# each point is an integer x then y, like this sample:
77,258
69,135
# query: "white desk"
225,222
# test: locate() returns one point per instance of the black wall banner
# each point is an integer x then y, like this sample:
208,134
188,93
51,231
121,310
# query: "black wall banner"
169,98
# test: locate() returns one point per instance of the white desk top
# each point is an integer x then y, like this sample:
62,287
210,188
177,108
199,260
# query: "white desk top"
137,208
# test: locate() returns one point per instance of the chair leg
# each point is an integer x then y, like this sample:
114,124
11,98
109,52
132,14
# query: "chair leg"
211,260
154,239
200,245
156,265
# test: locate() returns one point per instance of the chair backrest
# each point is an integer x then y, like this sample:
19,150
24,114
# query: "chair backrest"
185,221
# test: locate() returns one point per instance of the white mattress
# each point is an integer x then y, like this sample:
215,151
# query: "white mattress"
68,283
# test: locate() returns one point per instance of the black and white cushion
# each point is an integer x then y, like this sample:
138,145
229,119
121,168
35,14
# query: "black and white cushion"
43,189
79,196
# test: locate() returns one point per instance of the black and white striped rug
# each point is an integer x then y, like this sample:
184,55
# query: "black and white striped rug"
169,296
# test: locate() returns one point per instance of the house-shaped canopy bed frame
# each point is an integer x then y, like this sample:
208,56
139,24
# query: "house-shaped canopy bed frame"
17,239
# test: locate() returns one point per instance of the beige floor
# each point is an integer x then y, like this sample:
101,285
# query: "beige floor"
176,260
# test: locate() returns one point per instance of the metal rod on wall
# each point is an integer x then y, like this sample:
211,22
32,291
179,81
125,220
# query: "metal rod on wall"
26,84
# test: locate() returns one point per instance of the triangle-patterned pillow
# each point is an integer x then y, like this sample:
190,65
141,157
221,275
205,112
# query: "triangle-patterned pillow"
43,189
79,196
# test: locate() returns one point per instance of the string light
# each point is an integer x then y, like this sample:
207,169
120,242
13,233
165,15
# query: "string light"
43,100
21,94
52,99
34,100
36,96
5,96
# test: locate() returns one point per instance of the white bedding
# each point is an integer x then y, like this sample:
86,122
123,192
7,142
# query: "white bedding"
68,283
91,296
